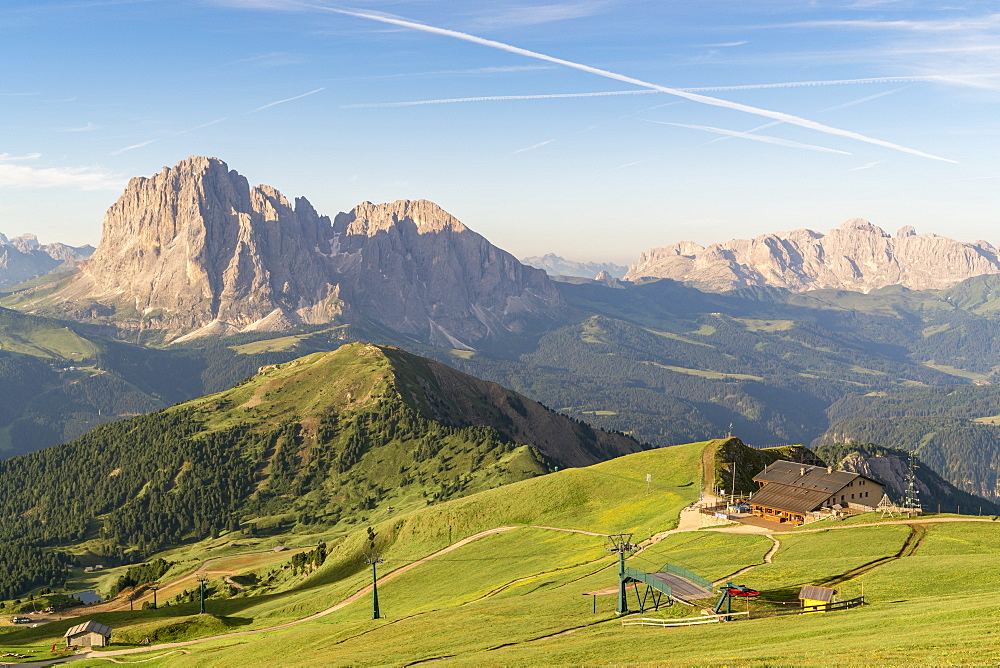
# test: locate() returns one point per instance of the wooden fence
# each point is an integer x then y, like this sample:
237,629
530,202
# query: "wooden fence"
753,614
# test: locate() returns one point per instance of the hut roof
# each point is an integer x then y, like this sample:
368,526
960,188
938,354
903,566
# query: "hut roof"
812,593
88,627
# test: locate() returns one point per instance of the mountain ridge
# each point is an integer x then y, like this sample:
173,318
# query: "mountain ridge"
856,256
195,251
24,258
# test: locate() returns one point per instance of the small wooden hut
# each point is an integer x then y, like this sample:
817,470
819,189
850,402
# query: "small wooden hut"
816,597
88,634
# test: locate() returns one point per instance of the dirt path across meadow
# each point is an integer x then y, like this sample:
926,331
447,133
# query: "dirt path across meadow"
689,521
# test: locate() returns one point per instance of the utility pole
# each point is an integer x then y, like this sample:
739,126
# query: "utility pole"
201,581
373,557
155,587
619,544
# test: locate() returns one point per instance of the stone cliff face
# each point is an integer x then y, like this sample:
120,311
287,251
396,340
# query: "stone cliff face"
195,250
23,258
857,256
413,267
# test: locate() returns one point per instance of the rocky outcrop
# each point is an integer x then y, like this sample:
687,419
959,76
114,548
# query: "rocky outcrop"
414,268
195,251
555,265
23,258
857,256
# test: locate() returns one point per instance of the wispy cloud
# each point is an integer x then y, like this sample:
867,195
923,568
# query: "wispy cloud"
210,123
77,178
761,138
287,99
926,25
723,45
505,69
960,50
867,166
826,82
528,15
694,97
17,94
81,128
9,157
494,98
203,125
534,146
135,146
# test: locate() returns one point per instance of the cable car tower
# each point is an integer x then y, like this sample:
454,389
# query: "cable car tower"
620,544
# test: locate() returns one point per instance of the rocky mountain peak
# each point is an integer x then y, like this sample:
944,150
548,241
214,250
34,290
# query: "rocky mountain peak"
862,225
194,250
425,217
857,256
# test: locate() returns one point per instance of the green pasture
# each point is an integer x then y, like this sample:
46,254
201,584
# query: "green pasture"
524,596
710,554
816,558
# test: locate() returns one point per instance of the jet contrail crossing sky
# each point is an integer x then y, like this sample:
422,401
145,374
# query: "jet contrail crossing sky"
694,97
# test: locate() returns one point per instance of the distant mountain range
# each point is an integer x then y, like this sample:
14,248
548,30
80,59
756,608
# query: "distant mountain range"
212,279
857,256
23,258
560,266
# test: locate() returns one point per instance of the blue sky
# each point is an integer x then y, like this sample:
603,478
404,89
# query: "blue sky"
591,128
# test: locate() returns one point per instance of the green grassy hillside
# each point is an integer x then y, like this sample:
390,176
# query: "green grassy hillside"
521,596
328,440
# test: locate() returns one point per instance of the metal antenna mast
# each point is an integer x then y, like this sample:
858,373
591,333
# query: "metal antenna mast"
373,557
912,502
620,543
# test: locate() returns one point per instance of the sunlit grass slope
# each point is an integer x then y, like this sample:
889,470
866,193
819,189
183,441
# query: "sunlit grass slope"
520,597
609,497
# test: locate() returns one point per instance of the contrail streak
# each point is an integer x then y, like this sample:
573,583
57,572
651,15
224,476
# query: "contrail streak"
694,97
534,146
830,82
644,91
287,99
495,98
869,98
761,138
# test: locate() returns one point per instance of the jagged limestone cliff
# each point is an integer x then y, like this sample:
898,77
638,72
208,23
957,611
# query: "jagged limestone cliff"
857,256
194,250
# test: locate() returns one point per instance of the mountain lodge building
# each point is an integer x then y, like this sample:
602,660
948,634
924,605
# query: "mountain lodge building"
789,491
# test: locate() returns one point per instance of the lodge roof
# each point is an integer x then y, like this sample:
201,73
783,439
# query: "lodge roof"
807,477
788,498
89,627
799,488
